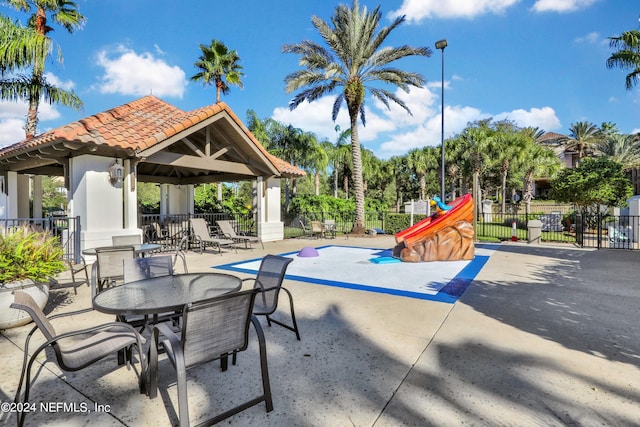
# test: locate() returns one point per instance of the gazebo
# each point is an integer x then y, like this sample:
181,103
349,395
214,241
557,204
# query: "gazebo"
103,156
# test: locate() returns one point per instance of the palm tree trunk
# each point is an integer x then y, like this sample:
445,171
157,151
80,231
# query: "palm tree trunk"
335,182
345,186
358,187
317,183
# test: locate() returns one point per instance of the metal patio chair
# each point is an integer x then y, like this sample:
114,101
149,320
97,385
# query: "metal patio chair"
131,239
229,231
74,350
269,281
146,268
211,330
201,235
109,267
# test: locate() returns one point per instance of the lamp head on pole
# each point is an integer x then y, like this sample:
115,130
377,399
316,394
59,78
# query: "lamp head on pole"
441,44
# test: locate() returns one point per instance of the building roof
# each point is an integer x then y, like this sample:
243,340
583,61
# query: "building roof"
552,137
169,145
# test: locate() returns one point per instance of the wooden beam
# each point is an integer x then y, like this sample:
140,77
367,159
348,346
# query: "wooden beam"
205,164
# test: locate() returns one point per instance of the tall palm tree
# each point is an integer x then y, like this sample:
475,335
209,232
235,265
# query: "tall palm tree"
627,57
583,137
353,61
218,66
65,13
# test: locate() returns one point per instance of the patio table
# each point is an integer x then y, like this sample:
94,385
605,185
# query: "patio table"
164,294
140,249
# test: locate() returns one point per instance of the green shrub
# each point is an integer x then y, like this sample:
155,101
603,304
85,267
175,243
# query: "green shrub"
28,254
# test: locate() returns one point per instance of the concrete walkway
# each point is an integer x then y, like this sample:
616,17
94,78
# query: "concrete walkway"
545,335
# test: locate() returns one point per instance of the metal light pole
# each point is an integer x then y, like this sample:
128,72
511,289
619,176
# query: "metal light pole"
441,44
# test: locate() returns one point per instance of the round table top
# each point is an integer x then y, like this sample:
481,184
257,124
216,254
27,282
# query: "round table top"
139,248
165,293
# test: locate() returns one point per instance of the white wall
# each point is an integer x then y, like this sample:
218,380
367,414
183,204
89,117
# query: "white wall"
99,203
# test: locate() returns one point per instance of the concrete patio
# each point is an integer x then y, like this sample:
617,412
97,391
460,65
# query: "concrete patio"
545,335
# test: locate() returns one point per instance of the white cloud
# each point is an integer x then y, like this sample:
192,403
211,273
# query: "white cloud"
11,131
561,5
316,117
392,131
127,72
429,133
543,118
13,116
417,10
55,80
591,38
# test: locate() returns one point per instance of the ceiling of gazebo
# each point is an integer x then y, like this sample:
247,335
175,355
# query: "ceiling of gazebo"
167,145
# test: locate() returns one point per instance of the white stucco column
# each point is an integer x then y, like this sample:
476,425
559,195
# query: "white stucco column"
191,192
270,227
9,197
37,196
634,214
164,200
23,196
178,199
129,189
97,201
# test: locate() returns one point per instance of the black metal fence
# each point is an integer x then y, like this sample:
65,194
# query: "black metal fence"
67,229
170,230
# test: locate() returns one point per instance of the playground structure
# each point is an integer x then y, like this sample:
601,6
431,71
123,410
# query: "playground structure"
447,235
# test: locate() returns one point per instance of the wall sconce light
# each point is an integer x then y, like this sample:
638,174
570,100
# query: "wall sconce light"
116,173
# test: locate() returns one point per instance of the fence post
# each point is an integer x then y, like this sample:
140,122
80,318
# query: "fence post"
599,230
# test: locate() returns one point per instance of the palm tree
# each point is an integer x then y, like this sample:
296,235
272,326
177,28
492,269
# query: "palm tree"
421,161
354,60
537,161
583,137
623,149
218,66
628,55
20,47
66,14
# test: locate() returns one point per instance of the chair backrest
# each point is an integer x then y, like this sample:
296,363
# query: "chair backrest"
131,239
24,301
200,227
110,262
226,228
145,268
316,226
270,276
330,222
218,326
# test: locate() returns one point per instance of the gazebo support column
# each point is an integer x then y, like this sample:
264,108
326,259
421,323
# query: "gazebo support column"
270,226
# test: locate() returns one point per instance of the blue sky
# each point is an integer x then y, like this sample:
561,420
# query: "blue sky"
536,62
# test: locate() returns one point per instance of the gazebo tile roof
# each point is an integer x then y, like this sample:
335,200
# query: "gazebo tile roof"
138,125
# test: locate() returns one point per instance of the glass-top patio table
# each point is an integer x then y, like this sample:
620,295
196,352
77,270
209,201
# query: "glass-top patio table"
164,294
138,249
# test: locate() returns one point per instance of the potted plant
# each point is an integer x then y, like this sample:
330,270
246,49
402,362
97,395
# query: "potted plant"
28,261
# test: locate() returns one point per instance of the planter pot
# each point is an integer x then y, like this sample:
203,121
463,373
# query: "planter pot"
10,317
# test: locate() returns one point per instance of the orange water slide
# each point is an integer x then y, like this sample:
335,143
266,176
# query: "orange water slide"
461,210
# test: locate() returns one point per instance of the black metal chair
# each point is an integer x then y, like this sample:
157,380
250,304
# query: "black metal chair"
269,282
83,348
211,330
